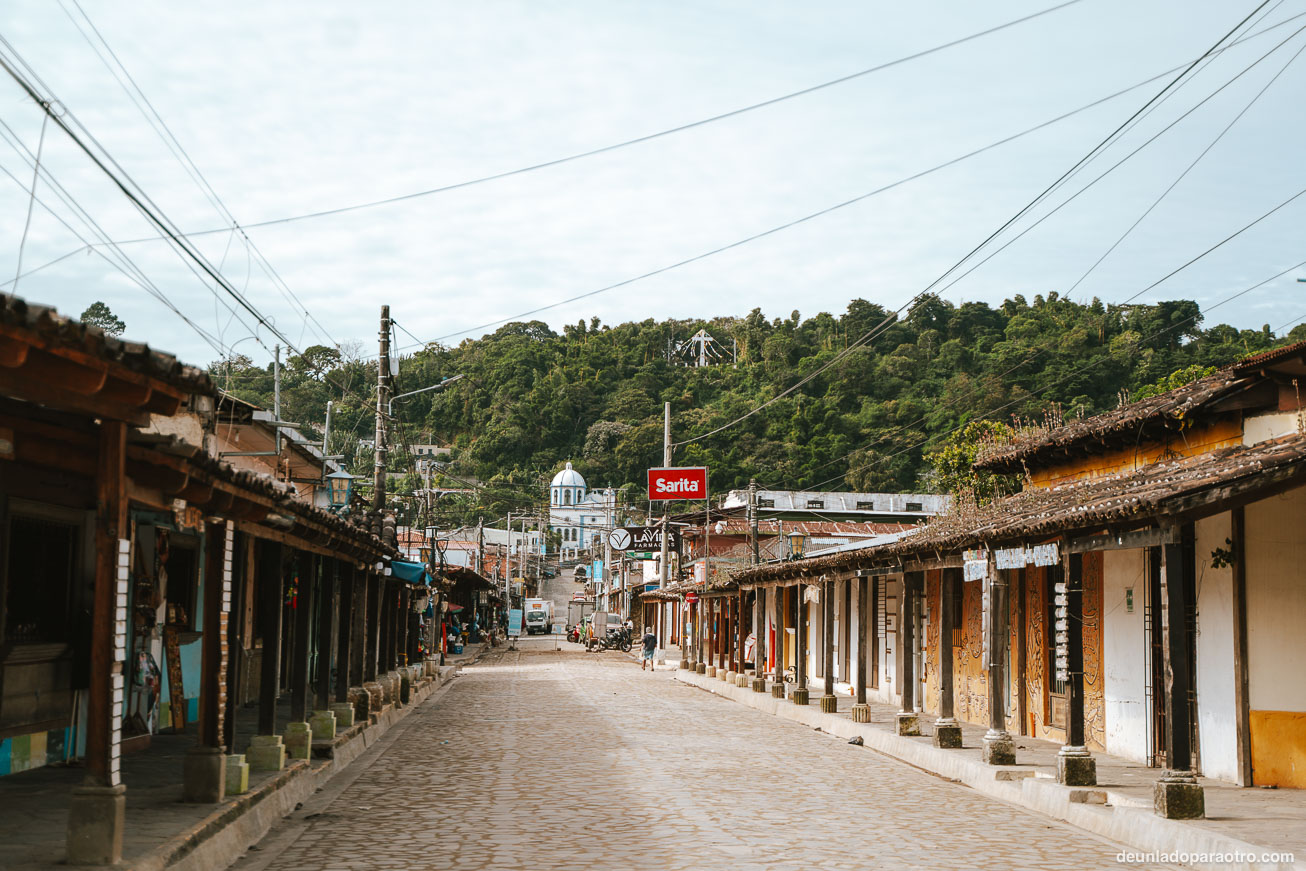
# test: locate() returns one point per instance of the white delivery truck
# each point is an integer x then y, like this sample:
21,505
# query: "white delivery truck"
538,616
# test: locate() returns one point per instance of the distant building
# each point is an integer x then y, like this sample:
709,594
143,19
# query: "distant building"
577,514
822,505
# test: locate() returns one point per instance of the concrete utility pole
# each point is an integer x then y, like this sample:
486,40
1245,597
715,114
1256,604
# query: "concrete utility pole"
752,518
480,546
382,383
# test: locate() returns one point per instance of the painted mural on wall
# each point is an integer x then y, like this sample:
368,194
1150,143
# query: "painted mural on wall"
1036,655
1038,695
970,681
1094,679
933,585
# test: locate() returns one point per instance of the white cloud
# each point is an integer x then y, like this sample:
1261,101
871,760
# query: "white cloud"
292,108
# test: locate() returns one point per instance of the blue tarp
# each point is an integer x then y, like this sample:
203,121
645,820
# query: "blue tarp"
413,573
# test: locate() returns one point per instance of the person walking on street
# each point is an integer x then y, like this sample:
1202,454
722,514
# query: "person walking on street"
650,644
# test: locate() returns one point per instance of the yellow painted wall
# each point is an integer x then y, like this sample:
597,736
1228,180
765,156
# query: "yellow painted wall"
1188,443
1278,748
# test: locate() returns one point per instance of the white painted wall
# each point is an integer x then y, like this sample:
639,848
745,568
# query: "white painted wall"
1216,721
1276,602
1271,425
889,690
1124,655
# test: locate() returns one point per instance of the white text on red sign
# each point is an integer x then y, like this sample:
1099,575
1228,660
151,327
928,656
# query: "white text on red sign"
689,482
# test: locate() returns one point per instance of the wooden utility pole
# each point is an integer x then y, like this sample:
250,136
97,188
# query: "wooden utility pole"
382,384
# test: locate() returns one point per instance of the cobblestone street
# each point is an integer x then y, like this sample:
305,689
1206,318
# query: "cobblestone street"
537,759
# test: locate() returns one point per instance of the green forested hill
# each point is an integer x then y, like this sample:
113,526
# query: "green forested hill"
532,398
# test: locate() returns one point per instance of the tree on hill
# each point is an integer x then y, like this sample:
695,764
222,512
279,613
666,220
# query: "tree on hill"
878,417
98,314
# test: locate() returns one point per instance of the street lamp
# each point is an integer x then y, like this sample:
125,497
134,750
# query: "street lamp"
389,407
797,543
341,489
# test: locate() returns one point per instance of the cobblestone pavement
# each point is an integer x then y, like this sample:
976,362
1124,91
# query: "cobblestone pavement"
537,759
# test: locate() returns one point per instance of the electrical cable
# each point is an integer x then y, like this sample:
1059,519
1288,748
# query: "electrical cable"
849,202
1009,222
647,137
169,139
125,264
1078,371
31,202
1043,349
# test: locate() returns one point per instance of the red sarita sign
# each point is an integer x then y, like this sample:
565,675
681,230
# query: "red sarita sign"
685,482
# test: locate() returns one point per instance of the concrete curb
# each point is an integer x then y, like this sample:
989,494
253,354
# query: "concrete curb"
1123,821
224,835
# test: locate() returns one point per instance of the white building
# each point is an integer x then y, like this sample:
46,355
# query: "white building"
826,505
577,514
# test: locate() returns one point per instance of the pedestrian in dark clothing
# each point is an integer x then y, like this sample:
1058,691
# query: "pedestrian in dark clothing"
650,644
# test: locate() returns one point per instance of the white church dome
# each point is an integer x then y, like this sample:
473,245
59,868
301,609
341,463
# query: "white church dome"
568,477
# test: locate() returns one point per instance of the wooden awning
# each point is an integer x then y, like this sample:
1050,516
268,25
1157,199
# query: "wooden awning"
60,363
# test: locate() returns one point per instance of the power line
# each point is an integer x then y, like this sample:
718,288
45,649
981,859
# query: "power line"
849,202
650,136
1078,371
124,263
142,103
1043,349
1093,152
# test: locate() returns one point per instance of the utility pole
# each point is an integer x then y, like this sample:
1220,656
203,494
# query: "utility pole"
276,396
664,575
382,381
480,546
752,519
507,563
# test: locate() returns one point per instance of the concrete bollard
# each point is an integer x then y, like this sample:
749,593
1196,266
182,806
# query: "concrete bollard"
344,712
266,753
298,739
323,725
237,774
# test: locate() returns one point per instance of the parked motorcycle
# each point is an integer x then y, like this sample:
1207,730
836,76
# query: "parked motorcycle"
616,639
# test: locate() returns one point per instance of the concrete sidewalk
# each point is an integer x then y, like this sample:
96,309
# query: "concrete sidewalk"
1247,821
164,832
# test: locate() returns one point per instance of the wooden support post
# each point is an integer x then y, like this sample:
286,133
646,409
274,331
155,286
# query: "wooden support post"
1178,682
778,618
97,813
861,710
271,578
759,640
358,632
999,748
875,632
907,722
1177,795
242,569
741,633
300,678
1075,765
204,768
298,737
947,731
829,703
372,656
800,693
383,625
344,633
1242,716
326,597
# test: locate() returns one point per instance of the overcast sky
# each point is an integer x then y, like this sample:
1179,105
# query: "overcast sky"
292,108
